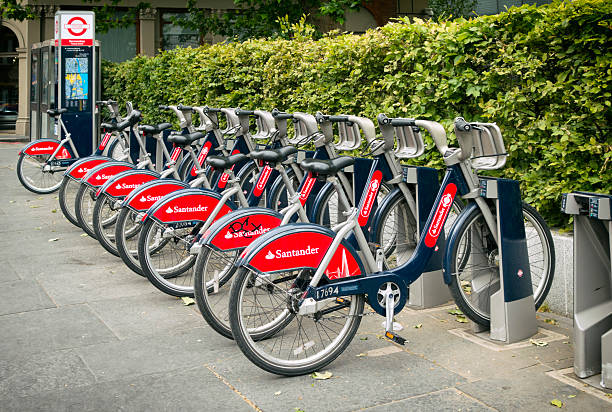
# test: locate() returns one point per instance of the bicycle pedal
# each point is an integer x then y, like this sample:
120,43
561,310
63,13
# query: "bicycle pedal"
395,338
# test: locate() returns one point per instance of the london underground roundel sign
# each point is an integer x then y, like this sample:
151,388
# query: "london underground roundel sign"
77,29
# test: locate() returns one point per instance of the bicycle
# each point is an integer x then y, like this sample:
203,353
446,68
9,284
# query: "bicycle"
298,295
41,163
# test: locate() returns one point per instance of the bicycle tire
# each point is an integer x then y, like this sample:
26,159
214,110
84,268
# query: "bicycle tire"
156,251
30,170
475,302
278,199
256,344
84,205
127,231
397,232
67,197
211,291
104,223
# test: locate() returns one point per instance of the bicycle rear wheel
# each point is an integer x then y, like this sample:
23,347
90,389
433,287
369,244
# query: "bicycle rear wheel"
163,253
84,206
67,197
274,337
127,231
36,176
475,263
105,216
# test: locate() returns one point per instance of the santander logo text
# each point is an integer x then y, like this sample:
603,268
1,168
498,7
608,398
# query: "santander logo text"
237,235
121,186
201,157
308,185
263,179
366,208
178,209
439,218
40,149
150,198
279,254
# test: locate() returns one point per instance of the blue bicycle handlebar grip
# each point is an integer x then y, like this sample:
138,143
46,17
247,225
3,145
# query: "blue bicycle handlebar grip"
398,122
240,112
281,115
338,119
211,110
462,125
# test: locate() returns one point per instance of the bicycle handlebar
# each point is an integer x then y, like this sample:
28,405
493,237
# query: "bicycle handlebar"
462,125
163,107
184,108
240,112
211,110
281,115
333,118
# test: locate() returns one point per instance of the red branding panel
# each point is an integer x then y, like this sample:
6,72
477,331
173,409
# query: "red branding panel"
263,179
366,207
124,185
101,176
176,152
104,142
189,207
147,197
305,249
41,148
225,176
307,188
437,225
342,265
82,169
242,231
201,157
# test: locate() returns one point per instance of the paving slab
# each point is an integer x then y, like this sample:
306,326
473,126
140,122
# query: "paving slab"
8,273
450,400
23,296
51,329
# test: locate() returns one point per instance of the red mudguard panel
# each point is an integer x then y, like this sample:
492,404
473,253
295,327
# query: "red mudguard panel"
123,186
188,208
84,167
101,176
149,196
47,147
305,250
242,231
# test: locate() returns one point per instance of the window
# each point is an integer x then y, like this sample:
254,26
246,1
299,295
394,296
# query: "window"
176,36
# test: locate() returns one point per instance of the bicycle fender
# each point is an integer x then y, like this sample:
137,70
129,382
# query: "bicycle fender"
142,198
452,238
79,168
187,205
238,229
46,146
298,246
122,184
100,174
381,209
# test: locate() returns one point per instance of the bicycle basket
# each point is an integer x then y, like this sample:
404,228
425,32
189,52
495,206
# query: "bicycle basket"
349,136
265,125
487,146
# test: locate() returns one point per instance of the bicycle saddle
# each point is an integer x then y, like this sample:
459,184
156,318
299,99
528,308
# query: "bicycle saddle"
56,112
273,155
182,140
326,167
153,130
224,163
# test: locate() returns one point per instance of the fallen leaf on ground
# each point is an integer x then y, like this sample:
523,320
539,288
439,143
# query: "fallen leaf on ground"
538,342
419,326
363,338
461,319
321,375
455,312
187,301
557,403
12,201
571,396
361,355
277,393
55,239
53,210
34,206
83,234
551,321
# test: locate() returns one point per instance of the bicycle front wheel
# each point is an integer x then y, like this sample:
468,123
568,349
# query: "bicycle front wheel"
475,263
105,216
164,256
36,176
213,270
127,231
271,333
85,202
67,197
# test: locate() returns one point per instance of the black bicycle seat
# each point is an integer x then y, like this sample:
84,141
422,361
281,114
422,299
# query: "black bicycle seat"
182,140
153,130
56,112
224,163
326,167
273,155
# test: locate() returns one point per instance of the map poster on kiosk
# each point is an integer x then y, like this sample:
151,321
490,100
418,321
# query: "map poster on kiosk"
75,39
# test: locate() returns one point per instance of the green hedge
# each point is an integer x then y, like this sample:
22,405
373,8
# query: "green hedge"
543,74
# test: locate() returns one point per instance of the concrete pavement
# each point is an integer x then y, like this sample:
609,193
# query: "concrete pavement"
81,332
